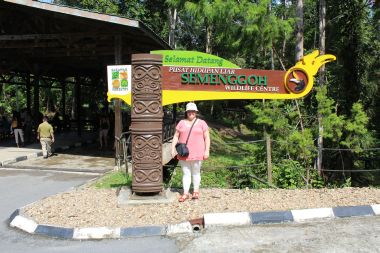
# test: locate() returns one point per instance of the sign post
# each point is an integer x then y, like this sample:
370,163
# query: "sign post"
146,126
169,76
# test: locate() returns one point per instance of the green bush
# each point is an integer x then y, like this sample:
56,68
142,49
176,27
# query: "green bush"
289,174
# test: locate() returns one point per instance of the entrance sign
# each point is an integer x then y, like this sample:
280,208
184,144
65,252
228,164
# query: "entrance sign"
194,76
167,77
119,79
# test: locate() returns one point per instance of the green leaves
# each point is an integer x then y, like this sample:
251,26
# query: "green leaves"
358,136
332,123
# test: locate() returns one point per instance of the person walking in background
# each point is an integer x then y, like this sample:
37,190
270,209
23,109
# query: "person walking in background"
104,126
4,127
16,129
199,149
28,126
45,134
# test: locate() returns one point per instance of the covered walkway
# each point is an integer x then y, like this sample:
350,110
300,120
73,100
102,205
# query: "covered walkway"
47,48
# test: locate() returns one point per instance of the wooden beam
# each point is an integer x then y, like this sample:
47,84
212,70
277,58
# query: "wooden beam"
54,36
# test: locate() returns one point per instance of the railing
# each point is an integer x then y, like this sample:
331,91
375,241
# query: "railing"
123,144
168,131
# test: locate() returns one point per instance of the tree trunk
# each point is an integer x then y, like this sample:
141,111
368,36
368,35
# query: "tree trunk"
299,46
271,50
208,38
299,37
284,41
299,55
322,49
209,51
172,26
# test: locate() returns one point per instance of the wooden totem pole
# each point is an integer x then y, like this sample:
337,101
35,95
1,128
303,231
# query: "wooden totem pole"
146,125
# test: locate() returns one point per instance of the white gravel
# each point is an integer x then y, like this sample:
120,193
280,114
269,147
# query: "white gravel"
90,207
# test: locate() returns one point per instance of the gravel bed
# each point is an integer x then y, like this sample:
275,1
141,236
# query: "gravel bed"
90,207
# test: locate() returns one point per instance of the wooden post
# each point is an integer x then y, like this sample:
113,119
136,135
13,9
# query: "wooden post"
28,95
269,158
146,127
78,105
63,101
117,102
36,96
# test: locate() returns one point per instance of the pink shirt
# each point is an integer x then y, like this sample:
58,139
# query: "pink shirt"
196,143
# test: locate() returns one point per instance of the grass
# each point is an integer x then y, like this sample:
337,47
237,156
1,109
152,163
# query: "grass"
113,180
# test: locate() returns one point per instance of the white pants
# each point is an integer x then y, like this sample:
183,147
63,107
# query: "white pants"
18,132
191,168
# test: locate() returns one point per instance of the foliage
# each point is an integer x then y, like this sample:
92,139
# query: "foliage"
12,99
358,136
288,175
332,123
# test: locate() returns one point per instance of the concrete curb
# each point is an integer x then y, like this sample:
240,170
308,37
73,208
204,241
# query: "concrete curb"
39,153
18,220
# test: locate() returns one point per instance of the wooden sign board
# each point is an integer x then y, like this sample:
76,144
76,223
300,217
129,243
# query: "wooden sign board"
194,76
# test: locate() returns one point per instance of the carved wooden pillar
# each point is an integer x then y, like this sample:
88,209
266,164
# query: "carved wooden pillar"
146,126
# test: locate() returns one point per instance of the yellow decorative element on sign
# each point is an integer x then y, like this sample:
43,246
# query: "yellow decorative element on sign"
126,98
300,78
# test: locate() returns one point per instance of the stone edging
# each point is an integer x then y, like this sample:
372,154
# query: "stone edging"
19,221
39,153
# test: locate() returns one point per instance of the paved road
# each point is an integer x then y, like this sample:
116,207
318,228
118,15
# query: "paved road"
360,234
18,188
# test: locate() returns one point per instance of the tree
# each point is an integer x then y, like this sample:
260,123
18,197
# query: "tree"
322,49
299,37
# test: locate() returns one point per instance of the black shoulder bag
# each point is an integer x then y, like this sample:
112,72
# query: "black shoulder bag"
182,148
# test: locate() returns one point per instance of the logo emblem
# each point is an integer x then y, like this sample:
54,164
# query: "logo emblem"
296,81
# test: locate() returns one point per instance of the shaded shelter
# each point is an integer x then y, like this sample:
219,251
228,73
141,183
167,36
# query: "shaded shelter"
48,45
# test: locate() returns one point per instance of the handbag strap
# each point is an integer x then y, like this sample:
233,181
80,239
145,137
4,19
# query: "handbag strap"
190,130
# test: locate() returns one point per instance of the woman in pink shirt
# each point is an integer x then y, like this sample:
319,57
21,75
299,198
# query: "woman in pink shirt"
199,149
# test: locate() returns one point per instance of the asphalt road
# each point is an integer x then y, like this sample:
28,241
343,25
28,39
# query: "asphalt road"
19,188
354,234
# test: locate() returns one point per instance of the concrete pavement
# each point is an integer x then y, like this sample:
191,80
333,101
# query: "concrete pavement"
9,153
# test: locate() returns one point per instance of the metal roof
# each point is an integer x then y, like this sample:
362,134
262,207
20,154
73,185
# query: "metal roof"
60,41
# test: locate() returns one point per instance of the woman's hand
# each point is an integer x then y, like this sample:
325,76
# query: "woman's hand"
174,142
206,155
206,135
